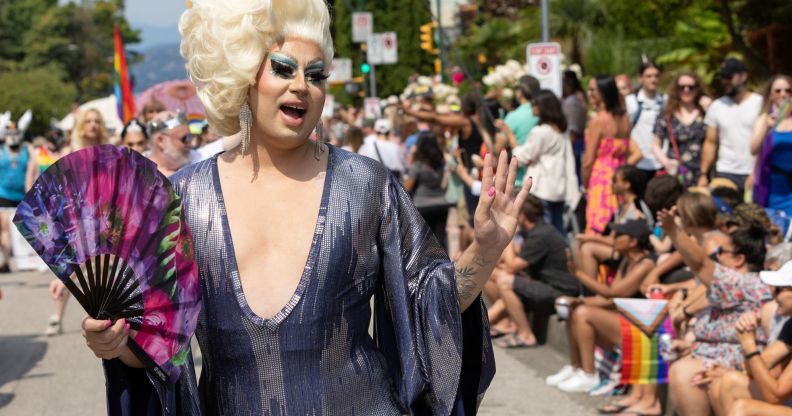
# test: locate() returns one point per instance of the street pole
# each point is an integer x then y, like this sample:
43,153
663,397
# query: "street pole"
545,23
440,39
372,80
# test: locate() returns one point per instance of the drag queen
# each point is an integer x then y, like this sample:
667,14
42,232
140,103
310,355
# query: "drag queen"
293,238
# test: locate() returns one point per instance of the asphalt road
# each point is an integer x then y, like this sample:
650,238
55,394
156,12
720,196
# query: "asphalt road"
60,376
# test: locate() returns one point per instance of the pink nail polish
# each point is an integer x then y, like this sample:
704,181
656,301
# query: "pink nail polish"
127,327
491,191
108,323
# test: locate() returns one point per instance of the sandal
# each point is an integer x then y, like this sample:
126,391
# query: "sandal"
612,409
639,413
513,341
497,333
54,327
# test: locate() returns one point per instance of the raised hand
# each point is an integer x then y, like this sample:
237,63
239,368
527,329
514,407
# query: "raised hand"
667,219
495,219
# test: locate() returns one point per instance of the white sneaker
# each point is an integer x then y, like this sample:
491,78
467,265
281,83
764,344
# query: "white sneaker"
566,372
580,382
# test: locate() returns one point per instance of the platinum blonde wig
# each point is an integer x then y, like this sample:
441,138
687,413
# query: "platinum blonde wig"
224,43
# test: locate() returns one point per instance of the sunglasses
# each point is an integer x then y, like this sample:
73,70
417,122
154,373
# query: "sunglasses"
186,139
687,87
780,90
722,250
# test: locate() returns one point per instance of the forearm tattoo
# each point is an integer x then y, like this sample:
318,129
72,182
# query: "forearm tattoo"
469,280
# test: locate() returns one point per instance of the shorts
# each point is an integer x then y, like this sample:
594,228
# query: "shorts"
535,294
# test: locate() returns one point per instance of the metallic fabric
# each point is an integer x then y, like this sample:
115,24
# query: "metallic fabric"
316,356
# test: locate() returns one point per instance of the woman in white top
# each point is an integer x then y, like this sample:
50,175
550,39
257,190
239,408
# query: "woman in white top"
548,154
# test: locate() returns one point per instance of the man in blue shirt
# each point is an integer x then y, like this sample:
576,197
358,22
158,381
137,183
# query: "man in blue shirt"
522,119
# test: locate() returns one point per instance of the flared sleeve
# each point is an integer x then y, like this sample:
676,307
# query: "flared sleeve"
137,391
440,359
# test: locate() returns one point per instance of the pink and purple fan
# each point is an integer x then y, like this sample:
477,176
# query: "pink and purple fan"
110,227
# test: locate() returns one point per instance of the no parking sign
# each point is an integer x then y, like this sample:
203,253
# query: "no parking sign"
544,62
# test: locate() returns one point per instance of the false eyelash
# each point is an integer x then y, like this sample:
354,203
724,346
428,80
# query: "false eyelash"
282,70
319,77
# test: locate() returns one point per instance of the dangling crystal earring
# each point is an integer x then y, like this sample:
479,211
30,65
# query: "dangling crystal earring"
245,120
319,146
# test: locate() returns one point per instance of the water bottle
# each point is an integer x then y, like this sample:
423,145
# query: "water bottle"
664,348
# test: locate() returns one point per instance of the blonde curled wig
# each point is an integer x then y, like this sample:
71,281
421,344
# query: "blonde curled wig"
79,140
224,43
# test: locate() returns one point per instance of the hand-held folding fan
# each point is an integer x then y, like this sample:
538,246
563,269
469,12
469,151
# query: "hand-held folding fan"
110,227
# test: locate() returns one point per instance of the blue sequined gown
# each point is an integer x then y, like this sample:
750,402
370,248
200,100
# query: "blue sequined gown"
315,356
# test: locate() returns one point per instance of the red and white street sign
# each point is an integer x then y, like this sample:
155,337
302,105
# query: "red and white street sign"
341,70
544,62
390,52
362,26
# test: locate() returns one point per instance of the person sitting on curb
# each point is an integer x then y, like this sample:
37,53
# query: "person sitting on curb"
529,279
736,392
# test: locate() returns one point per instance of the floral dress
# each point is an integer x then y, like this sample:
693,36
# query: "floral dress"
600,201
689,139
730,295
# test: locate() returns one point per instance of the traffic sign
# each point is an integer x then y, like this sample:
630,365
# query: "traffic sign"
390,51
374,49
371,107
544,62
362,26
340,70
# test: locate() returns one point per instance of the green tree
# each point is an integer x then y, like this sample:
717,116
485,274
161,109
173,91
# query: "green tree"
16,18
401,16
40,90
79,38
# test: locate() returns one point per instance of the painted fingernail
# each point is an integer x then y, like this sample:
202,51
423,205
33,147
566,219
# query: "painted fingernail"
108,323
491,191
127,327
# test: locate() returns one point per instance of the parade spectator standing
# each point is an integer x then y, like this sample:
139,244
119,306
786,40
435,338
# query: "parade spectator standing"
427,181
134,137
470,141
44,156
547,153
772,143
169,138
624,84
679,131
523,118
150,110
644,107
89,130
607,147
14,156
574,107
730,120
353,139
379,147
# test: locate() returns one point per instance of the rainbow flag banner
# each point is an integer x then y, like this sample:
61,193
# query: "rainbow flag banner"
125,101
642,323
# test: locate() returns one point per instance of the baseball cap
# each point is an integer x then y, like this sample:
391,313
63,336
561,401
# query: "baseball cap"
634,228
780,277
730,67
382,125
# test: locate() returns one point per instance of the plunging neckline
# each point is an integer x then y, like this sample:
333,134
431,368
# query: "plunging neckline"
274,321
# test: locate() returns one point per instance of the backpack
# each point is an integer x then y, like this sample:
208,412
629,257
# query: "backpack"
637,115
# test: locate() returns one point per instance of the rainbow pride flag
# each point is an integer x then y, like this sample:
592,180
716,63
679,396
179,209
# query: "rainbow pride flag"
125,101
642,322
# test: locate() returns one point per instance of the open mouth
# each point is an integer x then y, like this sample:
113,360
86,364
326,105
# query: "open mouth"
293,112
